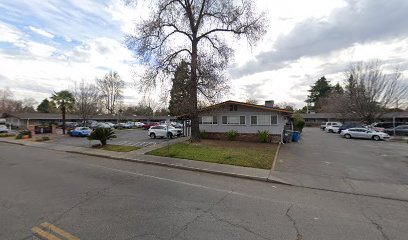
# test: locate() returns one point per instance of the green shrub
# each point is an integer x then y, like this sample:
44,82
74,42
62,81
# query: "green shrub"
203,134
45,138
298,122
232,135
6,135
103,135
23,133
263,136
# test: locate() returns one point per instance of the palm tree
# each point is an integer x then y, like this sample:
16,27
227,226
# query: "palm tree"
64,100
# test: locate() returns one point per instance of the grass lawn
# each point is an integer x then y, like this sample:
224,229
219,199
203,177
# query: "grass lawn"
256,155
119,148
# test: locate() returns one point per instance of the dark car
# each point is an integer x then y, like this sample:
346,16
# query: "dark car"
148,125
401,130
348,125
381,126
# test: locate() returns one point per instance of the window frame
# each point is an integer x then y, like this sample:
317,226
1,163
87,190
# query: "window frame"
234,124
200,120
270,120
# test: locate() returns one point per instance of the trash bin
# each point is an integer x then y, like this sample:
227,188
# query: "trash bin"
296,135
287,136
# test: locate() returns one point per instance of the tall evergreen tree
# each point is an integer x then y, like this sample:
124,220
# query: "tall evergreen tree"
180,96
46,106
318,91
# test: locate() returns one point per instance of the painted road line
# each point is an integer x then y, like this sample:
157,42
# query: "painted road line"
61,232
43,235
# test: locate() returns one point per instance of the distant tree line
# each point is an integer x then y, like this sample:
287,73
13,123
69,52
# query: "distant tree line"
366,92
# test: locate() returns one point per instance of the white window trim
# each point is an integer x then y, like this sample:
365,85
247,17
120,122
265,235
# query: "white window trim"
209,123
234,124
270,124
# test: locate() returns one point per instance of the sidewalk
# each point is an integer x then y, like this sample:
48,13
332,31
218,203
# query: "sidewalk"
138,156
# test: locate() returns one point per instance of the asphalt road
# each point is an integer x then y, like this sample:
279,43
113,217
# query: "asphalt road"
129,137
326,154
96,198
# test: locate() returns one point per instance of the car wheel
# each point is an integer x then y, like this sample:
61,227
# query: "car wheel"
169,135
330,131
152,135
348,136
376,138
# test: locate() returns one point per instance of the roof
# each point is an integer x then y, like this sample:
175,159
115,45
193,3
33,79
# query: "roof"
272,109
37,115
320,115
403,114
57,116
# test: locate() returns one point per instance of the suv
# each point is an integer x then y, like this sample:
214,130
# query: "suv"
164,131
348,125
327,124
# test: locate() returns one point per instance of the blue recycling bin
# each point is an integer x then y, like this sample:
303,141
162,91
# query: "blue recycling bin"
295,136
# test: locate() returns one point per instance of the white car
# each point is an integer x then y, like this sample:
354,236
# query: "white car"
327,124
332,128
4,129
111,125
364,133
164,131
139,124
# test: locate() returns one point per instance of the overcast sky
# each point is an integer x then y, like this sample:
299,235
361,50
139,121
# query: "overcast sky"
47,46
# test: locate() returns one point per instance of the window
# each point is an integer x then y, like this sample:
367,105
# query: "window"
234,120
207,120
233,107
264,120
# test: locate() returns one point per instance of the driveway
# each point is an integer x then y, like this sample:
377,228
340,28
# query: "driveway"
326,154
128,137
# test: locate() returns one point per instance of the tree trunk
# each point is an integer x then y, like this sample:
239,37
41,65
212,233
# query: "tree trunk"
195,129
103,142
63,119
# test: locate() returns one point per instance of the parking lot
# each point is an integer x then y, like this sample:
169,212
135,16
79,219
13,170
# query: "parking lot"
327,154
128,137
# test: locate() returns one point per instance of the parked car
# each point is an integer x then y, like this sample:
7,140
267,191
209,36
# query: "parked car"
401,130
148,125
385,125
111,125
164,131
139,124
124,125
99,125
333,128
81,132
3,129
348,125
327,124
364,133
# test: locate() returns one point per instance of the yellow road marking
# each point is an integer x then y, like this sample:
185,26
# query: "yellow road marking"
61,232
38,232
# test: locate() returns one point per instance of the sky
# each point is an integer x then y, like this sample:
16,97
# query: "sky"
47,46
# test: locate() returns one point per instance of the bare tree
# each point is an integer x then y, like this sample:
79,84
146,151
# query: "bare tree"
86,100
198,32
252,101
111,90
9,104
368,93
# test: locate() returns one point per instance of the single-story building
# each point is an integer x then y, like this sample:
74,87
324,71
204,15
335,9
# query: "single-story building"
247,119
315,119
23,120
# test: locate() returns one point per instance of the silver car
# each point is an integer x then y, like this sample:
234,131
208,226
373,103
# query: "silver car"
364,133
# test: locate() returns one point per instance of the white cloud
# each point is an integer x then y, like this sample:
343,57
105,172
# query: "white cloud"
41,32
9,34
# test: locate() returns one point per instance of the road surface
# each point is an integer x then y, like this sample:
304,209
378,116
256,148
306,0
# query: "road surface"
96,198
